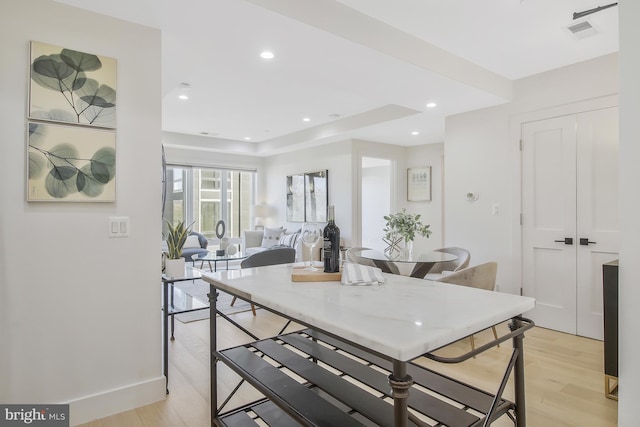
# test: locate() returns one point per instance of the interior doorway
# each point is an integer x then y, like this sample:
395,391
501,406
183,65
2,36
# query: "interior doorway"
375,189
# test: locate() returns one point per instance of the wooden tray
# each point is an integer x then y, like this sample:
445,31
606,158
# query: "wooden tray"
299,274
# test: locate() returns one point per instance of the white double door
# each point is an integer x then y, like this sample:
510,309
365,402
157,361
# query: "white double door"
570,217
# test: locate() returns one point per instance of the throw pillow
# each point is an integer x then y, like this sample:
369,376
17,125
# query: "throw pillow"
192,242
271,236
289,240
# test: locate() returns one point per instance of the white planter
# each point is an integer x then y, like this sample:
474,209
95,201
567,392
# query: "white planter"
174,267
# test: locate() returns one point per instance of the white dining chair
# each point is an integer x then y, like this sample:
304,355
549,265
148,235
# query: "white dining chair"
481,276
442,269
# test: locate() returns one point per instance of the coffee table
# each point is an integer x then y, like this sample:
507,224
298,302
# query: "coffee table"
211,257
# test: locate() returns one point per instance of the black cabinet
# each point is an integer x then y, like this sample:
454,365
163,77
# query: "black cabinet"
610,301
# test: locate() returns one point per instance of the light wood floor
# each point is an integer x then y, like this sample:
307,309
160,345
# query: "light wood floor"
564,379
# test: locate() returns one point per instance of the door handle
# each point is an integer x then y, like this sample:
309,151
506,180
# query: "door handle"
567,241
585,241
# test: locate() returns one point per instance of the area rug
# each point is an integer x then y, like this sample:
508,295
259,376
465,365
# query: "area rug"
199,289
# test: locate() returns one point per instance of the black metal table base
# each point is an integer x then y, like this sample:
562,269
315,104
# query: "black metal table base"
313,379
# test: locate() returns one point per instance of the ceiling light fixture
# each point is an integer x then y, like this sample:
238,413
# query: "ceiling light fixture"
415,132
306,119
431,105
267,55
247,138
183,96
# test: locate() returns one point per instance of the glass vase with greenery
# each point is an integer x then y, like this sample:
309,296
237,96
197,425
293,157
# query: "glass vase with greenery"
401,227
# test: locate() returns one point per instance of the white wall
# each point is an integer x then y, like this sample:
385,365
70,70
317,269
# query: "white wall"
377,150
375,194
629,370
482,155
80,312
477,160
432,211
335,157
343,160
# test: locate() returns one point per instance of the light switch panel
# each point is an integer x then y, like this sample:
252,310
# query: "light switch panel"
118,226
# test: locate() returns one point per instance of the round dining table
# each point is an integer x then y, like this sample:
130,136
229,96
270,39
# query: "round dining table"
423,262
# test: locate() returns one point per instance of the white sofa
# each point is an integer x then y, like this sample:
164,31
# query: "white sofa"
252,242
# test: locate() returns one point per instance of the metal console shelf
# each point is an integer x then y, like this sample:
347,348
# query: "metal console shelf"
316,377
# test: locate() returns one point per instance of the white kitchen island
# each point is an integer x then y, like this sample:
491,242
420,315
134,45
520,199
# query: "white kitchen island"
362,335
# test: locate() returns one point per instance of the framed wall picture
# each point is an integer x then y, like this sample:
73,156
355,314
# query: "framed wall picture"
316,196
70,163
73,87
295,198
308,197
419,184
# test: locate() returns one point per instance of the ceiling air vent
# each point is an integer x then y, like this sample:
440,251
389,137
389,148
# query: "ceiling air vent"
582,29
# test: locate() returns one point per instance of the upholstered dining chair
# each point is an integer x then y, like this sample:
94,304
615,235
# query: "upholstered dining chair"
441,269
481,276
272,256
353,255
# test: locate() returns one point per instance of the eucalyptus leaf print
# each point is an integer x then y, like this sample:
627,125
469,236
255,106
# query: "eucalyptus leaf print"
72,86
71,163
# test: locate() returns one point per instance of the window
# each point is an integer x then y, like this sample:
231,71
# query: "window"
204,196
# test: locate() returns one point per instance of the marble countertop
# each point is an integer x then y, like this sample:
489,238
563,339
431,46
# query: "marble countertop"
403,318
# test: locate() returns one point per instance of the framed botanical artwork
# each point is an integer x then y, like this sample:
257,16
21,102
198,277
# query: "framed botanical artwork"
295,198
419,184
70,163
68,86
316,196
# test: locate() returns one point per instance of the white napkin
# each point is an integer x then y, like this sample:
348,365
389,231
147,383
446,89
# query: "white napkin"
361,275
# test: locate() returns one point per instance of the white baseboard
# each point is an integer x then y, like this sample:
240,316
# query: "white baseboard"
111,402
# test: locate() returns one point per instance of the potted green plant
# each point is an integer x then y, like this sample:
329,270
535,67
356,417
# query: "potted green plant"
403,227
175,237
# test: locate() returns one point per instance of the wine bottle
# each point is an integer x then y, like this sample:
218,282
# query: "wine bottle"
331,251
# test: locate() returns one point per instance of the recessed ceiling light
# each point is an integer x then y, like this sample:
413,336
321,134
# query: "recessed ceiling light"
306,119
431,105
267,55
183,96
415,132
334,116
247,138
